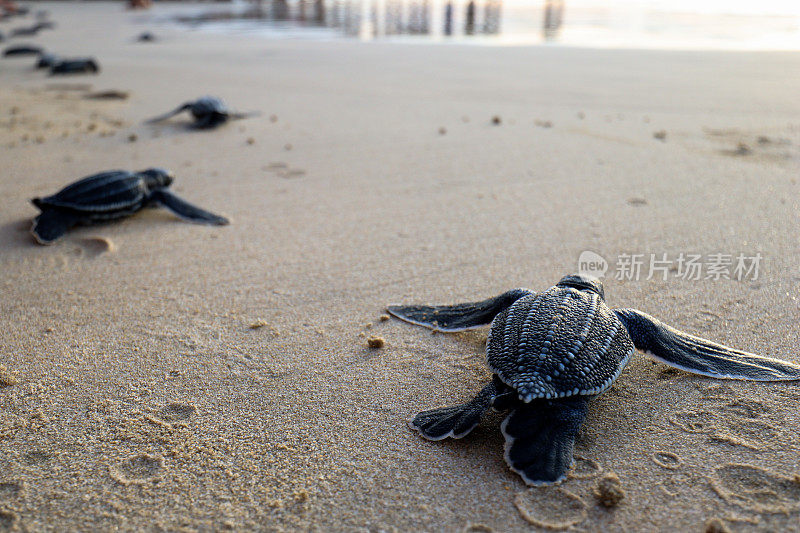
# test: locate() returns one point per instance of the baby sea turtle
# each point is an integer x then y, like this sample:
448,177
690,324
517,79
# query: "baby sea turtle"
47,60
208,112
146,37
554,351
22,50
109,196
84,65
26,31
45,25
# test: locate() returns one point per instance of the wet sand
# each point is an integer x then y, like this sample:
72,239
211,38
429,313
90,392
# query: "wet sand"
159,375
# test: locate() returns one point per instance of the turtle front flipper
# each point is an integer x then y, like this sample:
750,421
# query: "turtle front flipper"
701,356
458,421
52,224
540,437
185,210
459,317
165,116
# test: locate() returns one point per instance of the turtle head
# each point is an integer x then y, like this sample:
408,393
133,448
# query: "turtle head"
157,178
583,282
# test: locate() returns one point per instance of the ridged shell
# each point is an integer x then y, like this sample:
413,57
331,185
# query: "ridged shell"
106,192
207,105
562,342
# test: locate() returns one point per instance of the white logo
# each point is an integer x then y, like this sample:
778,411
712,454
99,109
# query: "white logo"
592,264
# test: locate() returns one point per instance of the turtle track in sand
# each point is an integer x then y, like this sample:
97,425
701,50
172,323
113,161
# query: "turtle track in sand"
757,489
739,422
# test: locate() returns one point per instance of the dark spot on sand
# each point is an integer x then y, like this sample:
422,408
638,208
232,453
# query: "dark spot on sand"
496,120
109,95
661,135
8,520
294,173
637,201
36,457
11,489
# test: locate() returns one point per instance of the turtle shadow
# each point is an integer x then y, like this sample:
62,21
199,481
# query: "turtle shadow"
15,235
181,127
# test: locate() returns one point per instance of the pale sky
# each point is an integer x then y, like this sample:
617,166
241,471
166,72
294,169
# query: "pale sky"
743,7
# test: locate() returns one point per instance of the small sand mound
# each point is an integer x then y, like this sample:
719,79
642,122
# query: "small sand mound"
376,342
7,379
94,246
550,507
609,491
138,469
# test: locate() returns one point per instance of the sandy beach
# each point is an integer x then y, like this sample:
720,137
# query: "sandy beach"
157,375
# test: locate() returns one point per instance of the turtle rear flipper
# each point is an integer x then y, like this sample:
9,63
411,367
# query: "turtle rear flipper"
186,210
459,317
540,437
52,224
458,421
165,116
701,356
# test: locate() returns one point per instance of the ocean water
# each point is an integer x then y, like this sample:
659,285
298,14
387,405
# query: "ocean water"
648,24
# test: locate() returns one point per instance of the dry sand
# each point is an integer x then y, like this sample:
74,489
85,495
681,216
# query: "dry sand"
159,375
